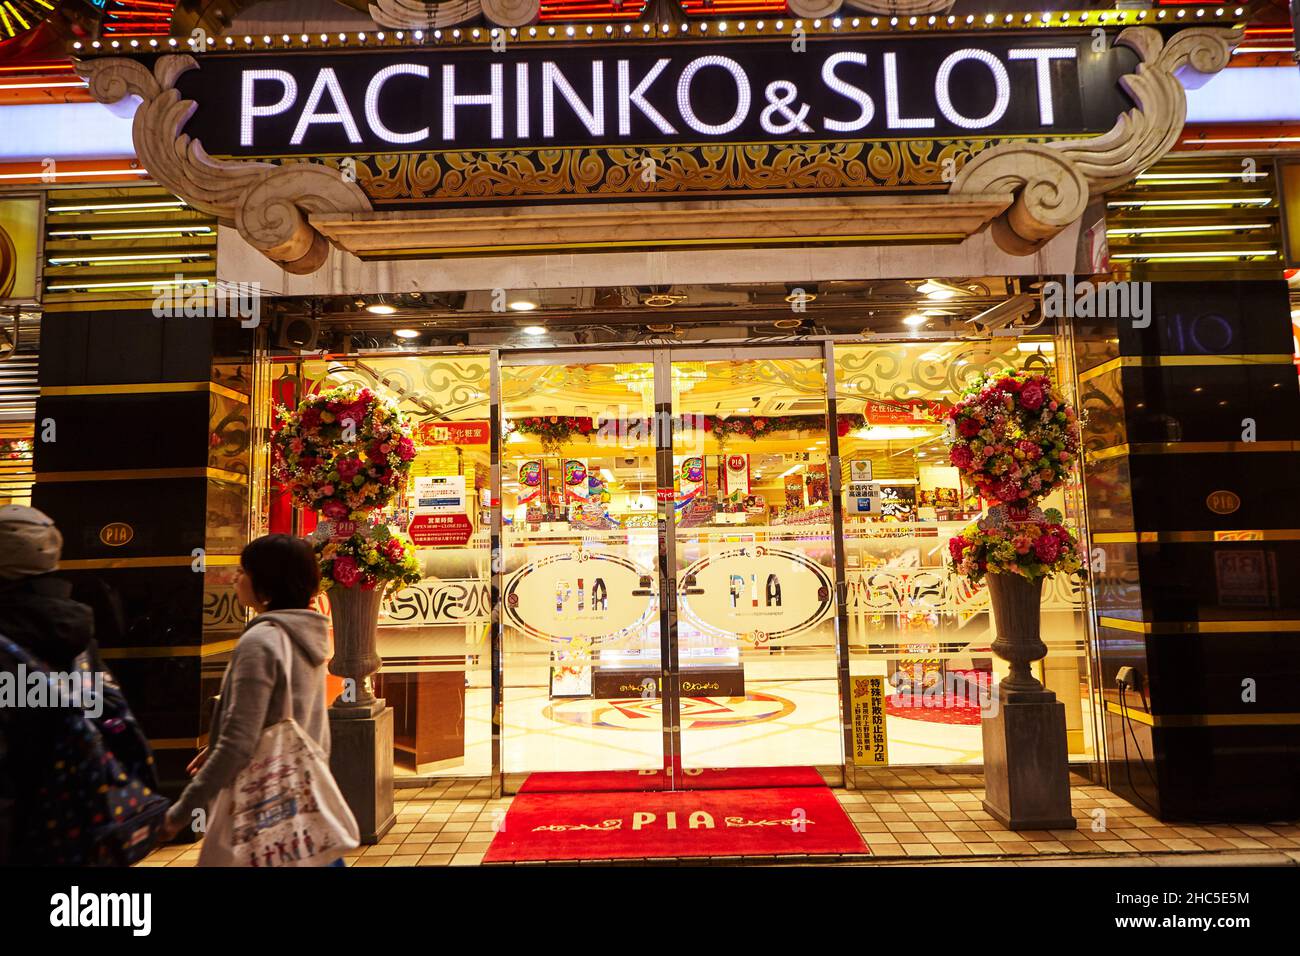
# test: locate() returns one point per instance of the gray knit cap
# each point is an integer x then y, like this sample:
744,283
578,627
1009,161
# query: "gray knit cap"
29,542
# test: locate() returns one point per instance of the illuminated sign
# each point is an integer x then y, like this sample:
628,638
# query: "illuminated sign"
593,94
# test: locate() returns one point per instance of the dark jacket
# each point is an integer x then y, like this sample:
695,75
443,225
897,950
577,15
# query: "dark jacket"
37,614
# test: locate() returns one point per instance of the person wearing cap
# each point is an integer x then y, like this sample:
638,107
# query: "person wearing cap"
38,614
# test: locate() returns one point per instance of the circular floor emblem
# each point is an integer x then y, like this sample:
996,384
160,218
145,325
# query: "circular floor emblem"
698,713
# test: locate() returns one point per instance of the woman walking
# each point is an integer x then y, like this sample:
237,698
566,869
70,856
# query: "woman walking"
282,650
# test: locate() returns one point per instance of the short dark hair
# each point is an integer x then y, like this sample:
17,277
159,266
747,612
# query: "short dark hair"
283,569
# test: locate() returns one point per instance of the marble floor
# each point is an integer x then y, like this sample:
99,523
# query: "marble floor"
778,722
905,816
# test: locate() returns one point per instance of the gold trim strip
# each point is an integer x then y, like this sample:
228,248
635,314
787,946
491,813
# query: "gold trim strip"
170,650
178,743
1183,361
159,561
1204,720
142,474
1105,454
142,388
1190,448
1198,627
1142,717
1188,537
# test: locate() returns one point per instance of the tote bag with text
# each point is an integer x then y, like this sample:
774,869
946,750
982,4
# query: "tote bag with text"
284,808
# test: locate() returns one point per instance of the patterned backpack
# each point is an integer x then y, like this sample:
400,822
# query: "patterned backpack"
96,802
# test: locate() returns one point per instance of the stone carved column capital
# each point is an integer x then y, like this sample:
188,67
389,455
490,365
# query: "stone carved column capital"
268,204
1053,182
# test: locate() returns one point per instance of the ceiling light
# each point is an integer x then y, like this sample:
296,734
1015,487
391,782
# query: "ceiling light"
534,330
380,308
523,305
914,319
406,333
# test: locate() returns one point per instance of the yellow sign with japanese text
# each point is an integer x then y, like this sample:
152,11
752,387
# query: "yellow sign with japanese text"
870,741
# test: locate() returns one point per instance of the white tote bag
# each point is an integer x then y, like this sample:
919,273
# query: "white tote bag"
284,808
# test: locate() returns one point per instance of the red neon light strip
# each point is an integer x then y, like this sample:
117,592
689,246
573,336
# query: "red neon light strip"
569,10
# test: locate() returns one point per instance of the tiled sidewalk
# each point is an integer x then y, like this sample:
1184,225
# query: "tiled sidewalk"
906,819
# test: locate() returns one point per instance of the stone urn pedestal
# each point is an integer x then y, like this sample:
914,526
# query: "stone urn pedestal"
1026,760
361,725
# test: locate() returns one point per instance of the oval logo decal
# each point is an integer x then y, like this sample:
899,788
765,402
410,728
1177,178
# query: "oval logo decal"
116,534
1223,502
756,593
589,595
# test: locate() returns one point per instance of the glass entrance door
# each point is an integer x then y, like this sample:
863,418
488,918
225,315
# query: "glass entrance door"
754,561
666,575
581,580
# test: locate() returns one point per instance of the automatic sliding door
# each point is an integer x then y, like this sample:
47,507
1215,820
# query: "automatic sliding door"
580,583
754,563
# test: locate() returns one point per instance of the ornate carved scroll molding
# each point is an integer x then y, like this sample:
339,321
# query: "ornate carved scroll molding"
814,8
417,14
897,8
435,14
268,204
1053,182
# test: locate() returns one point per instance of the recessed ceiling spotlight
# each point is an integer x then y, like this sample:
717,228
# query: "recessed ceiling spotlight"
407,333
914,320
523,305
381,308
534,330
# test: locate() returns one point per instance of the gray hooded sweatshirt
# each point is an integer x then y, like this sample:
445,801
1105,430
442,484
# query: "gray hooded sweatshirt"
252,699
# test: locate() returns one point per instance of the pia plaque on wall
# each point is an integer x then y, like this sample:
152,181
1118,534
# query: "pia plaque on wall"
1223,502
760,594
115,534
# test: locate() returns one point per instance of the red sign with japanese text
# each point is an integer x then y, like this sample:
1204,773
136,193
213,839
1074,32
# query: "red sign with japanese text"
453,433
906,412
435,530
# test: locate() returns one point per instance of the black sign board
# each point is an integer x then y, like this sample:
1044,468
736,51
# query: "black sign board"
539,96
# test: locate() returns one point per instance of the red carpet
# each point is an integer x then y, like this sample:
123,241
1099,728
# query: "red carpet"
621,826
946,708
738,778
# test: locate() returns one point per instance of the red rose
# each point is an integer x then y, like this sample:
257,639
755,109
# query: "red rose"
968,427
1007,491
955,546
346,572
335,509
1047,547
1031,396
960,456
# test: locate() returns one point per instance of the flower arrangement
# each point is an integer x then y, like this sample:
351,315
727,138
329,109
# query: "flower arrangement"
369,557
342,452
1013,436
554,430
1033,548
